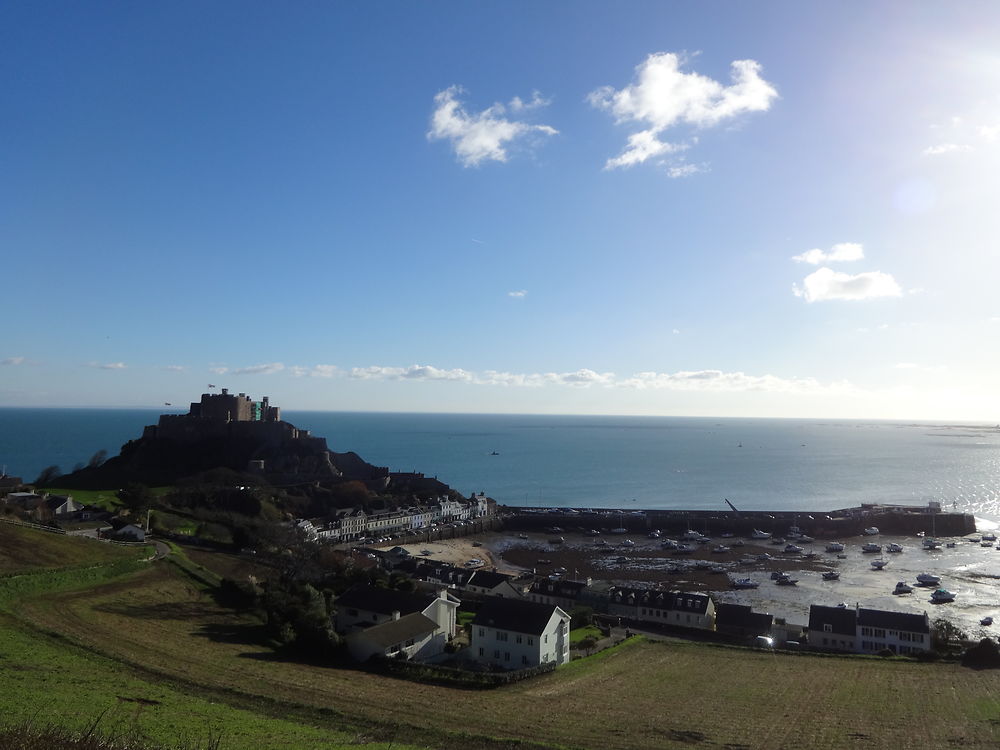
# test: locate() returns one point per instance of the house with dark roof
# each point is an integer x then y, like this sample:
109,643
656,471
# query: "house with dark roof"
868,631
561,593
515,634
361,607
899,632
740,621
674,608
491,583
833,628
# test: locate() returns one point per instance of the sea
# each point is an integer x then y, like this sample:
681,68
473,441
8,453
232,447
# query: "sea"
605,461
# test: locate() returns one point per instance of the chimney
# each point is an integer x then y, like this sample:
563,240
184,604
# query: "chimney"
395,614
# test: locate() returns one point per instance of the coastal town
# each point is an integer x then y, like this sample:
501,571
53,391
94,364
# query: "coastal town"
524,579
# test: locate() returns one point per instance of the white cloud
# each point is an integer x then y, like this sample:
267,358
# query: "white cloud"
413,372
316,371
174,368
717,380
947,148
827,284
919,368
842,252
663,96
107,365
519,293
265,369
536,101
483,136
12,361
218,369
676,331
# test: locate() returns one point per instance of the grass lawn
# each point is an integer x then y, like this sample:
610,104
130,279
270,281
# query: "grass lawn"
106,499
587,631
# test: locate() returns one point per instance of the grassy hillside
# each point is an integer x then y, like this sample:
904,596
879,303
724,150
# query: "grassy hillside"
156,635
24,549
642,695
49,681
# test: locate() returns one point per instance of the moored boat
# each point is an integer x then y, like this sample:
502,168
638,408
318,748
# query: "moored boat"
792,549
745,583
894,548
902,587
871,547
988,620
786,581
758,534
928,579
942,595
871,531
831,575
879,564
835,547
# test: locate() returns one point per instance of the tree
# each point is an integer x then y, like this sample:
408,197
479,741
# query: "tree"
947,635
48,475
136,497
97,459
984,655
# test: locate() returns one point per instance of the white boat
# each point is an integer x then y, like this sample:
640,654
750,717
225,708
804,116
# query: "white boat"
758,534
619,530
871,547
745,583
805,539
879,564
871,531
668,544
654,534
831,575
894,548
684,549
841,556
720,549
927,579
792,549
474,563
931,544
989,537
522,536
988,620
628,543
942,595
690,535
835,547
764,557
786,581
986,544
902,587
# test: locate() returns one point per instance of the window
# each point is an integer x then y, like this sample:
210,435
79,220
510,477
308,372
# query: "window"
482,632
518,639
827,627
546,637
496,654
531,641
481,651
524,660
506,655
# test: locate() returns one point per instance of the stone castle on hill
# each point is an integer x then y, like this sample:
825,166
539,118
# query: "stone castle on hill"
225,415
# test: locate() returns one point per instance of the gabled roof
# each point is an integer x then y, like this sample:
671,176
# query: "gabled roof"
675,600
842,620
397,631
384,601
488,579
563,588
880,618
516,615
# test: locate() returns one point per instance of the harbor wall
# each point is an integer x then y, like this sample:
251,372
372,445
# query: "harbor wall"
889,519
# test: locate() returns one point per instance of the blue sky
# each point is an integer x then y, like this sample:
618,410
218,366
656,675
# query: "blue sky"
742,209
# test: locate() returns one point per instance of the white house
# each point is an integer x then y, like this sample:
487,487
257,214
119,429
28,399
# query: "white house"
868,631
515,634
415,635
491,583
676,608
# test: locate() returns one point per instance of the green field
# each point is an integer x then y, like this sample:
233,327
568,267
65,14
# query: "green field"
157,634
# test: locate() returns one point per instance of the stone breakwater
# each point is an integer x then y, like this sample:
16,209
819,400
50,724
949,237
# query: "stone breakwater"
834,524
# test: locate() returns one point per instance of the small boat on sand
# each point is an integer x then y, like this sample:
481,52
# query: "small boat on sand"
835,547
831,575
928,579
745,583
988,620
902,587
879,564
940,596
